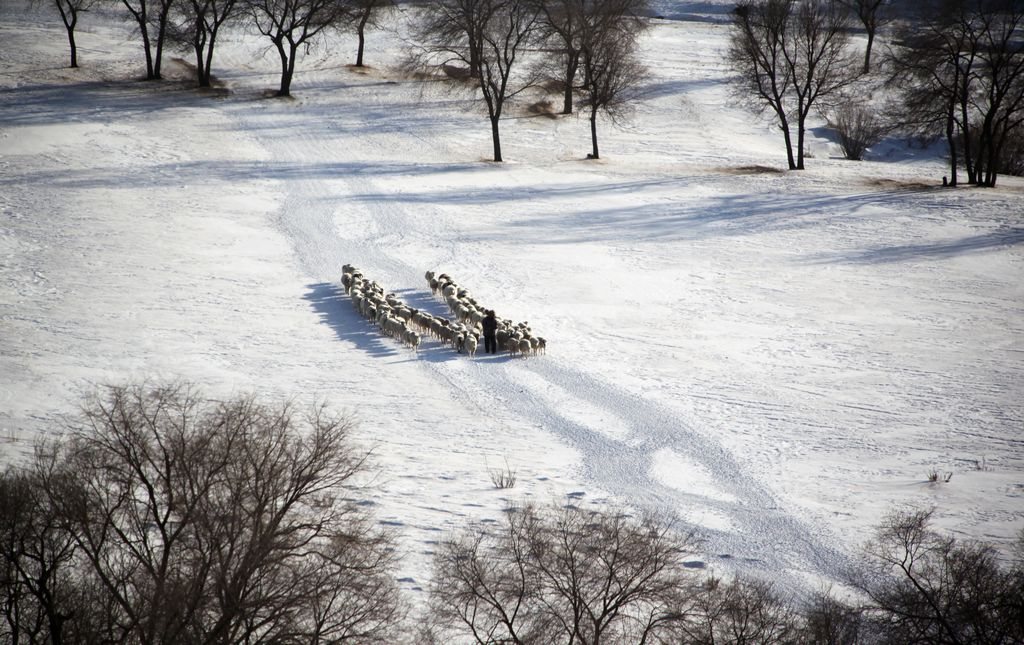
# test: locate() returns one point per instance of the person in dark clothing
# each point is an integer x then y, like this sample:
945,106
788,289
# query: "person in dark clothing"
490,325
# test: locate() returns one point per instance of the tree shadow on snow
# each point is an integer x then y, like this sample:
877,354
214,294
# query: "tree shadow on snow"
719,215
1004,237
212,171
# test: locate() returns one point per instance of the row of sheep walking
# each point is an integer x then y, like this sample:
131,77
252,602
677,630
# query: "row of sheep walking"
517,338
390,314
409,325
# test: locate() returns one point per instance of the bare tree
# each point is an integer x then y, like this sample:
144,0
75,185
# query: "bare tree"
959,69
859,128
871,15
198,24
829,621
489,37
612,76
562,575
566,25
932,70
928,588
69,11
149,15
35,555
292,25
1000,100
607,577
484,584
366,14
216,522
791,57
559,28
742,611
450,31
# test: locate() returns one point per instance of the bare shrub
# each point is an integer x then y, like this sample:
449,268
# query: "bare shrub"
203,521
928,588
828,621
560,575
740,611
503,477
789,58
1011,159
35,556
859,128
483,585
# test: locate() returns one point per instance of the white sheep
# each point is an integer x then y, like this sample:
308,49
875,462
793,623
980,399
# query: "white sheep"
412,339
524,347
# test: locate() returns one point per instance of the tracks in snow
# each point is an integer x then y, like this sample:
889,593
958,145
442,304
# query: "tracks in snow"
620,436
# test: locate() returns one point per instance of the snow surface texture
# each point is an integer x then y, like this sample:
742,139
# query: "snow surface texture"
775,358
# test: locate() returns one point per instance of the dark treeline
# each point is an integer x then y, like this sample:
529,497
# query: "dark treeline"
952,69
162,516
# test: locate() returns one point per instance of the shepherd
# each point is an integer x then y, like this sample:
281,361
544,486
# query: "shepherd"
490,325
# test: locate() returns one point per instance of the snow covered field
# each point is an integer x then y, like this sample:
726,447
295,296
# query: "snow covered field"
775,358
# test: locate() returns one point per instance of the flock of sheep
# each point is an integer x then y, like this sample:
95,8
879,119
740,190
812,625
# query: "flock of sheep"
408,325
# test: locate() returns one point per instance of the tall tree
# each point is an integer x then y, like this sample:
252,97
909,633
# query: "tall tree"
932,65
220,522
199,24
871,15
295,24
451,30
35,559
565,25
505,35
561,25
365,14
562,575
69,11
611,75
958,67
490,38
925,587
150,15
791,57
1000,99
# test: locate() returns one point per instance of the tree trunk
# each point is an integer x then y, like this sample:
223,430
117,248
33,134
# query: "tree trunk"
161,39
156,61
965,128
784,126
70,18
208,72
867,52
361,31
199,47
593,133
992,163
150,74
208,63
951,142
287,69
496,138
201,75
474,60
789,146
74,48
573,61
800,130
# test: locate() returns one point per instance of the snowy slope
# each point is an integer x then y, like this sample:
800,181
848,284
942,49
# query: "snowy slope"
776,358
